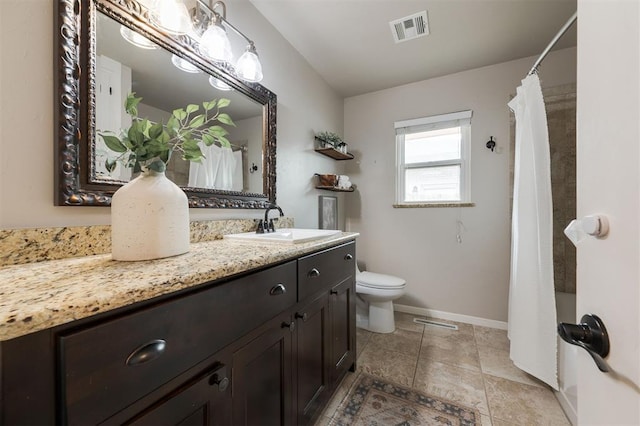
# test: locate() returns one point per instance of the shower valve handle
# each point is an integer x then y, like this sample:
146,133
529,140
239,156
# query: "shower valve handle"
590,335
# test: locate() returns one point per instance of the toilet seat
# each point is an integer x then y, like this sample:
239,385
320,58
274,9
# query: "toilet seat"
379,281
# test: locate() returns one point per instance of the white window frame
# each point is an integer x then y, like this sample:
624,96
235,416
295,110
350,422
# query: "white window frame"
460,119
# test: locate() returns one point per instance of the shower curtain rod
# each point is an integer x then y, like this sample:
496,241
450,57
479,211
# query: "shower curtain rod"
553,42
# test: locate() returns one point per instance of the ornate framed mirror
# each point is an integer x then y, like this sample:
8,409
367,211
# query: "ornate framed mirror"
93,62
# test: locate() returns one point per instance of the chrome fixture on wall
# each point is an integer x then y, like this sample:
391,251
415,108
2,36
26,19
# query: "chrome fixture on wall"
208,27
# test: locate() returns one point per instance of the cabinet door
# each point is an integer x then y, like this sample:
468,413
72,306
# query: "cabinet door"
343,331
262,377
312,350
204,401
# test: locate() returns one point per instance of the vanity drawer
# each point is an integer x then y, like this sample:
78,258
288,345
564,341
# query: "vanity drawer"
108,366
321,270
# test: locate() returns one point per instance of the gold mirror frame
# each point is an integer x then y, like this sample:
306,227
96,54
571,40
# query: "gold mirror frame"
75,106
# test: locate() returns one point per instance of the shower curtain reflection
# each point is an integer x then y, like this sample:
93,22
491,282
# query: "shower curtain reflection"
220,169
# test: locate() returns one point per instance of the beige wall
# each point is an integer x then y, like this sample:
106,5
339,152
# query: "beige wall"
305,104
419,244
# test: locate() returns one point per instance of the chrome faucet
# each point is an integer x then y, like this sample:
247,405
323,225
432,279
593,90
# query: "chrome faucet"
267,225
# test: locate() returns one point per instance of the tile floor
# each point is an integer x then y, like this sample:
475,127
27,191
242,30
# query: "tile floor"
470,365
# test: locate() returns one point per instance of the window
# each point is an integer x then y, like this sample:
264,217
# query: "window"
432,155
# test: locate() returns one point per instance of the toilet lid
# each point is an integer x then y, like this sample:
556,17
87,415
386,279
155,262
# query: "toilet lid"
374,280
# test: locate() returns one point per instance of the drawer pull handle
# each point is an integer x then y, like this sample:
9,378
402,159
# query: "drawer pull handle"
147,352
303,316
348,256
333,292
278,289
313,273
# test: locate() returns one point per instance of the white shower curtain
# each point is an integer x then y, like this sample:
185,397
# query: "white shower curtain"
532,308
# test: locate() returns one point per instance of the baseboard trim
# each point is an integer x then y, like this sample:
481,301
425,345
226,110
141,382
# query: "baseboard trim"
569,410
467,319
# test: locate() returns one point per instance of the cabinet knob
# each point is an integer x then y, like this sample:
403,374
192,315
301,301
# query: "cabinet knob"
223,383
313,273
290,325
303,316
147,352
348,256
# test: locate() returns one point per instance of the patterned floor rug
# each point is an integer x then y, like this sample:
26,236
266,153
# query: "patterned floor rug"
372,401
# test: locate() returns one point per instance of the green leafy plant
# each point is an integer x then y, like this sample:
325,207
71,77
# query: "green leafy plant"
330,138
148,145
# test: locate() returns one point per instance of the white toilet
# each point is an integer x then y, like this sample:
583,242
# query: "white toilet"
374,307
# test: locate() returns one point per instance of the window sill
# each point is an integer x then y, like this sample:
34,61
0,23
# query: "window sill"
433,205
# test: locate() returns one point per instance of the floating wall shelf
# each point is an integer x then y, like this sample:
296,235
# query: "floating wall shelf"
335,188
335,154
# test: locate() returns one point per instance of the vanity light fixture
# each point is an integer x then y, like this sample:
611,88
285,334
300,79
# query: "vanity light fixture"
172,16
219,84
215,44
136,39
206,26
248,66
183,65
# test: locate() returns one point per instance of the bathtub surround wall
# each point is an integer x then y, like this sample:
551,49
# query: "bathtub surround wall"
306,104
560,103
421,244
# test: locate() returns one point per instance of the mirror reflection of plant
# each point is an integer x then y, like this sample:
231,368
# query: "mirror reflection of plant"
147,145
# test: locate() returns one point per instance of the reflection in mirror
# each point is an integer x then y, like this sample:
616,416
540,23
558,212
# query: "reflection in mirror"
166,82
97,68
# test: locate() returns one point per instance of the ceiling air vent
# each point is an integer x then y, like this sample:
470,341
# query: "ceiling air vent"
410,27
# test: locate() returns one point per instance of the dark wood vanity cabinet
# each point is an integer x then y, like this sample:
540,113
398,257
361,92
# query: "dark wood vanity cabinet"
266,348
326,332
262,377
313,365
203,401
342,311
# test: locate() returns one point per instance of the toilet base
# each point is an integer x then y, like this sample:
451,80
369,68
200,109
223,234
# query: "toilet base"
376,317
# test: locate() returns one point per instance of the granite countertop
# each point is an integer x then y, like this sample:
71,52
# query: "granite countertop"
41,295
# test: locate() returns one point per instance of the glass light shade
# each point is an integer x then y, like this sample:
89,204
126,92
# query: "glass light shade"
136,39
172,16
248,67
183,65
215,44
218,84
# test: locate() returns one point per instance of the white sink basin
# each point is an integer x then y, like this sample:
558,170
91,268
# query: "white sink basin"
286,235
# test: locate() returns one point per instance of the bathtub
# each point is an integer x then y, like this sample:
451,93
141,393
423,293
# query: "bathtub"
567,369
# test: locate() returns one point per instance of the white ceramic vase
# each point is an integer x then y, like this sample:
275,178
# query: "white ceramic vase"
149,219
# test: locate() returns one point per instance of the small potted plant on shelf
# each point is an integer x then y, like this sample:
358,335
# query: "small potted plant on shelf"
330,140
150,214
